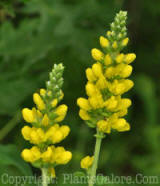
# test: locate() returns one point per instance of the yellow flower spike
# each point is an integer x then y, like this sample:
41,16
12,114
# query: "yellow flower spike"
84,115
45,131
46,156
120,58
91,89
52,172
87,162
97,54
38,101
42,92
28,115
111,103
97,69
105,92
65,130
104,42
115,45
125,42
36,153
45,120
129,58
27,155
61,112
104,126
90,75
54,102
83,103
26,132
107,60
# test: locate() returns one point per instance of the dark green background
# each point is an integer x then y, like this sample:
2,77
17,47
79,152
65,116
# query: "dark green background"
35,34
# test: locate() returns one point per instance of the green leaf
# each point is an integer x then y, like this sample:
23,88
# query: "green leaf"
10,155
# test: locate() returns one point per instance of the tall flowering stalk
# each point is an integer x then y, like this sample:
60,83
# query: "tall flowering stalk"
44,130
107,81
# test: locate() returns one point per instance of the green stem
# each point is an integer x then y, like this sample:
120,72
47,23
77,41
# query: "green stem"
10,125
99,137
44,177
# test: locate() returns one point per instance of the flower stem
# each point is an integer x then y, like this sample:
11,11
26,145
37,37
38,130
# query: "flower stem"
44,177
92,178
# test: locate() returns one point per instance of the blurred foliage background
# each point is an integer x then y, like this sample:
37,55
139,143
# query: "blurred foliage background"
35,34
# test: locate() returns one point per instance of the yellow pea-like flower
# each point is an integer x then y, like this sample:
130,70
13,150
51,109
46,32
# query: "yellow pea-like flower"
28,115
90,75
34,137
46,156
129,58
27,155
115,45
57,137
125,41
124,104
54,102
45,120
42,92
96,101
97,69
38,101
87,162
120,58
91,89
61,112
108,33
102,83
84,115
64,157
121,125
65,130
107,60
104,126
83,103
97,54
26,132
124,70
36,153
111,103
128,84
104,42
110,72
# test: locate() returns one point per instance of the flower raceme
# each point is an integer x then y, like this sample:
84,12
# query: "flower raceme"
44,130
105,107
108,80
